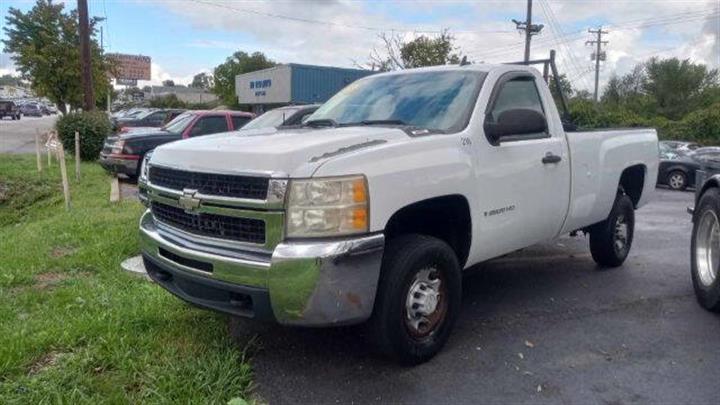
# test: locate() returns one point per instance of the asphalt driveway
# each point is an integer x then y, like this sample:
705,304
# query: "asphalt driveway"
543,325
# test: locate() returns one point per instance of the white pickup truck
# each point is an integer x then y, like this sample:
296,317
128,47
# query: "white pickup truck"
371,209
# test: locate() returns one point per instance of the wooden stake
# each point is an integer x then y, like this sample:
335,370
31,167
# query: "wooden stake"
49,158
63,173
37,150
114,189
77,156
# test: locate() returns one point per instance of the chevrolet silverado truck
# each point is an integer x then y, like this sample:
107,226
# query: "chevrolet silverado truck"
370,211
705,241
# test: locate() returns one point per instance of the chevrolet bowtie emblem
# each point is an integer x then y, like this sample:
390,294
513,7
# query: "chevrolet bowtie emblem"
188,201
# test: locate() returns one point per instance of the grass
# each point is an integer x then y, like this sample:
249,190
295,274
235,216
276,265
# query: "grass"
74,327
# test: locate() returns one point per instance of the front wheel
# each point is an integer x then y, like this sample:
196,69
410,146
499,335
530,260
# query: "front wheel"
677,180
418,298
705,251
611,239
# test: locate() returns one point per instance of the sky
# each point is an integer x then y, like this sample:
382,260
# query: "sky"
185,37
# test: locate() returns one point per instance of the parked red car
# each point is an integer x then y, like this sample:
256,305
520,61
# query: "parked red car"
123,152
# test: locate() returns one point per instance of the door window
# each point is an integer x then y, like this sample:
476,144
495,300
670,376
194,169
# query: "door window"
520,92
239,121
209,125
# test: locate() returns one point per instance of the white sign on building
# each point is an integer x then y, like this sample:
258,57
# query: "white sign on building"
267,86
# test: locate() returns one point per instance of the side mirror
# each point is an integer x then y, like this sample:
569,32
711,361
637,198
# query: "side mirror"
517,121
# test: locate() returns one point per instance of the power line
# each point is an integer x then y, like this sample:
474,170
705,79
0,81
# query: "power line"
557,29
335,24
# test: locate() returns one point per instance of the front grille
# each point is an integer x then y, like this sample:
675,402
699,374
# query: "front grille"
211,184
215,226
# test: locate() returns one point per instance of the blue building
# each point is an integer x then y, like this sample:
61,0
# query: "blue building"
292,84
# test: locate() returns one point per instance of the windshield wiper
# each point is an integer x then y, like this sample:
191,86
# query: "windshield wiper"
383,122
322,122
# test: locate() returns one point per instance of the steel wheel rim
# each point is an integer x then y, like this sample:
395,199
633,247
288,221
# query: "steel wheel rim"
425,303
621,235
707,248
676,181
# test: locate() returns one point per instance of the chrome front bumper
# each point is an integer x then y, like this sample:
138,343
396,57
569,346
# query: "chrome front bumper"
307,283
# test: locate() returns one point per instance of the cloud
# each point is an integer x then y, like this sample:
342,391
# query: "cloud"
7,66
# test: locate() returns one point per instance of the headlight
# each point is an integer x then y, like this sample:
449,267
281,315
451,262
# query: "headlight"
145,167
118,146
332,206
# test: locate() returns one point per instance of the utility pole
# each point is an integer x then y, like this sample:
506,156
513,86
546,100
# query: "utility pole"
598,55
85,57
529,28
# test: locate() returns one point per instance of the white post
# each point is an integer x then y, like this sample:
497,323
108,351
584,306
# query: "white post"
63,173
37,150
114,189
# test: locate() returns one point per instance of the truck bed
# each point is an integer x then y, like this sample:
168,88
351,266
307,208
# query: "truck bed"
598,158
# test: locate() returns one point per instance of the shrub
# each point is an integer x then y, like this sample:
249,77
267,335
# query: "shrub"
704,125
93,127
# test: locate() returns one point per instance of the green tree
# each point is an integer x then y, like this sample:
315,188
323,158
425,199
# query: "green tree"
240,62
44,44
168,83
419,52
676,86
202,80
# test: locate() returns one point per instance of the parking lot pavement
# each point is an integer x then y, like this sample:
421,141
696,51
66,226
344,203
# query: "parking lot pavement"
19,136
543,325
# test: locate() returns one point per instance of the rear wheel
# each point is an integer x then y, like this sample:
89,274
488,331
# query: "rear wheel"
418,298
611,239
705,251
677,180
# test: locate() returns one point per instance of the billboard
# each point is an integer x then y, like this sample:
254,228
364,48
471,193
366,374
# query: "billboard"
131,67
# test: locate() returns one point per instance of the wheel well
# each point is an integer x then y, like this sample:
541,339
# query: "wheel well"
710,183
446,218
632,181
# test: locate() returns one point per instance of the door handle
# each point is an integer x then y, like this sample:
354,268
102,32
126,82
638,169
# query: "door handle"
551,158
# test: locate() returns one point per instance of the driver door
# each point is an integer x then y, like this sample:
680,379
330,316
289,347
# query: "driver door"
524,179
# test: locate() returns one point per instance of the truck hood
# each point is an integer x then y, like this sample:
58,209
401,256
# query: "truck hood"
295,152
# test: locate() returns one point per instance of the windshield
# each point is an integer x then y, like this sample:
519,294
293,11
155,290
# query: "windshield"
441,100
178,125
272,118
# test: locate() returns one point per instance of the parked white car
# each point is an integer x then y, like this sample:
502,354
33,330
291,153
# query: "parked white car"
372,209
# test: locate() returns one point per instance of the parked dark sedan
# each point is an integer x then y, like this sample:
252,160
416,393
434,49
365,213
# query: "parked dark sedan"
31,109
678,171
149,118
123,153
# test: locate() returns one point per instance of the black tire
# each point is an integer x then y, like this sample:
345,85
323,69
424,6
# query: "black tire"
677,180
707,291
604,236
407,258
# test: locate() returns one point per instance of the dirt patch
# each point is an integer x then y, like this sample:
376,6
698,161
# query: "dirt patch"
49,280
45,362
62,251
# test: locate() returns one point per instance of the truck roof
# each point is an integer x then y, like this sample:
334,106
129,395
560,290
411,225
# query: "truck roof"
481,67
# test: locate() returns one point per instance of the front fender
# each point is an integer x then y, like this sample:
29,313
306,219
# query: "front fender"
402,173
